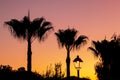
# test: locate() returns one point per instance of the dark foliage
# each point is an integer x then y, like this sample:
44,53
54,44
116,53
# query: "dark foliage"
7,73
108,52
68,38
28,30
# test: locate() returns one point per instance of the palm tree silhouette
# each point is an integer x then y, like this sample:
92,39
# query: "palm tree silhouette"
67,38
26,29
108,53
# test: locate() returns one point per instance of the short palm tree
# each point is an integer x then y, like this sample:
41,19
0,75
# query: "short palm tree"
67,38
26,29
108,53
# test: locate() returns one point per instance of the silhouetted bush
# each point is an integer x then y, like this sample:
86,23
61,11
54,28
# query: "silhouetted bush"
107,51
6,73
54,73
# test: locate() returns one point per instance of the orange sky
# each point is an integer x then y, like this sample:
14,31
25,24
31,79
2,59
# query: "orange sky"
93,18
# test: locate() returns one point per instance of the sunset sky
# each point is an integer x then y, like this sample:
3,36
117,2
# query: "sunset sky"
93,18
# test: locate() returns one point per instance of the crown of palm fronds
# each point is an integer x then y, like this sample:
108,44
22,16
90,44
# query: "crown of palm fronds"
68,39
25,28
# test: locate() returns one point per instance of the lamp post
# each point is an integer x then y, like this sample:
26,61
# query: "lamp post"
76,62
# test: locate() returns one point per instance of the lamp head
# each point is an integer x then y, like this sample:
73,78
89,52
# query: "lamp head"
77,59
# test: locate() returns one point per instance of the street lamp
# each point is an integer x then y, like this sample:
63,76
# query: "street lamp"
76,62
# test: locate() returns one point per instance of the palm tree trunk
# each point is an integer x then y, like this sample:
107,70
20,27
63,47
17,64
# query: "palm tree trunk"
68,64
29,54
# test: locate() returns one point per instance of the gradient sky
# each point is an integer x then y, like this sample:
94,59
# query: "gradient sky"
93,18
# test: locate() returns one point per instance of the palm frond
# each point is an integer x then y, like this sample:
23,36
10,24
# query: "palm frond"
42,32
35,25
82,39
95,52
60,38
26,21
45,24
16,28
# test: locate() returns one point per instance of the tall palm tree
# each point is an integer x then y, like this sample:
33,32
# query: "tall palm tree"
68,39
26,29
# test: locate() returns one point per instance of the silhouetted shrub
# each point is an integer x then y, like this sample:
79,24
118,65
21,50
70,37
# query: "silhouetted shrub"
6,73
